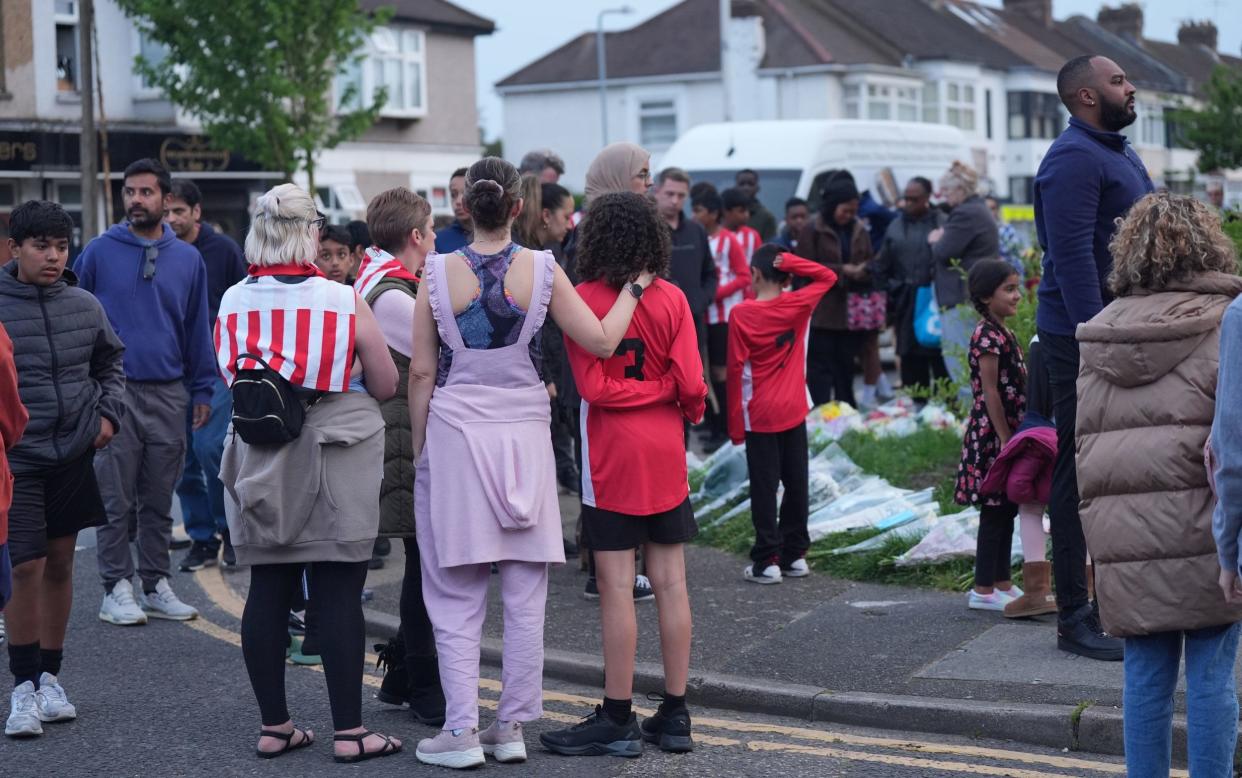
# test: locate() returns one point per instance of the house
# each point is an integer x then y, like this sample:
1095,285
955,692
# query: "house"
989,71
428,126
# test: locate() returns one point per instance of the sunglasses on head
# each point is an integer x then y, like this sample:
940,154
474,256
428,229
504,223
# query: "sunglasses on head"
148,269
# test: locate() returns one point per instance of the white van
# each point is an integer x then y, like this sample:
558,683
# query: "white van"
792,156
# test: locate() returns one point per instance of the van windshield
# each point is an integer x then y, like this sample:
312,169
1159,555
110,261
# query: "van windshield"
775,186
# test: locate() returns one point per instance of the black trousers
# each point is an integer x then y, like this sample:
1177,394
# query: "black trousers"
420,643
1069,546
563,442
992,551
775,458
337,598
830,359
920,370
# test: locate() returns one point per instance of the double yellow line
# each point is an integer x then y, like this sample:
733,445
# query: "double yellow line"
796,740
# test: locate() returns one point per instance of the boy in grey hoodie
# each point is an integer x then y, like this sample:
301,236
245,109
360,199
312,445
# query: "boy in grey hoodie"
72,383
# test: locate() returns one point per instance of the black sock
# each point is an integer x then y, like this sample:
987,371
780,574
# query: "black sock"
24,663
50,659
149,587
618,710
672,703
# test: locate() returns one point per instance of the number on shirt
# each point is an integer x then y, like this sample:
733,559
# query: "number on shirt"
639,348
785,341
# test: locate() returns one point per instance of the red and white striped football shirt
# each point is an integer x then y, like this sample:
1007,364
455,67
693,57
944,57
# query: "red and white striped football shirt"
748,238
732,272
303,329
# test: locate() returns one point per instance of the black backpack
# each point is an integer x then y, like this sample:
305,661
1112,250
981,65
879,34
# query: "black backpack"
267,410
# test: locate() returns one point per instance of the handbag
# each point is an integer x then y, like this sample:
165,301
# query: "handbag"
926,317
267,411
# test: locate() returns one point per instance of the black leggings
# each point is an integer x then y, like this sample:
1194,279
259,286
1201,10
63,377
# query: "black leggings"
830,365
420,643
265,634
992,551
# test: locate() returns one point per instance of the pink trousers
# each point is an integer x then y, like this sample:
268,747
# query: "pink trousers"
456,599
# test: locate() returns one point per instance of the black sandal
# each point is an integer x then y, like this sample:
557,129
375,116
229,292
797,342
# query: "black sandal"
388,748
308,737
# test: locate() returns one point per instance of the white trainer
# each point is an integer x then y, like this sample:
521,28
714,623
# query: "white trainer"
797,569
459,751
503,741
51,702
23,714
768,575
164,604
119,606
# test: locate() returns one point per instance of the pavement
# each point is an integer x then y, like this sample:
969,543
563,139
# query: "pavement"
172,699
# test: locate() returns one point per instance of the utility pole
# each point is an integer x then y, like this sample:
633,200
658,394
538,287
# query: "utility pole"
602,64
726,85
86,148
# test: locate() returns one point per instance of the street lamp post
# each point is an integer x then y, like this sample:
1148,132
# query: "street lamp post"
603,68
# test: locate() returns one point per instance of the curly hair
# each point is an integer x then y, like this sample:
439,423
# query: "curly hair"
622,236
1167,238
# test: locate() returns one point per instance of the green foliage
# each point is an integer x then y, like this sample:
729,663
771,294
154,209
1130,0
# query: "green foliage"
258,74
1233,228
926,458
1215,130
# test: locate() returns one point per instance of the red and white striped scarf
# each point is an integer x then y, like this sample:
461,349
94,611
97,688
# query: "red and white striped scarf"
304,330
376,266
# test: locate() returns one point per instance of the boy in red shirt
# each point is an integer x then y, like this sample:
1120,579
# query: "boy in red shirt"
13,420
768,403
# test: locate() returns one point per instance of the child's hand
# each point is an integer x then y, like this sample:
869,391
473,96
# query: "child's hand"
106,431
644,278
780,260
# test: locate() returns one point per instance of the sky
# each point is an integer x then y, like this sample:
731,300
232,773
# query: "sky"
527,30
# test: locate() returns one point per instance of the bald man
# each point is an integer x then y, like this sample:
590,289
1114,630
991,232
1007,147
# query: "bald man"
1089,177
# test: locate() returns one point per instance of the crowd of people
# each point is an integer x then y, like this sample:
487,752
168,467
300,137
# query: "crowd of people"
329,388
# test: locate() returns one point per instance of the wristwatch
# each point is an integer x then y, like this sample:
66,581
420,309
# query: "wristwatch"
635,290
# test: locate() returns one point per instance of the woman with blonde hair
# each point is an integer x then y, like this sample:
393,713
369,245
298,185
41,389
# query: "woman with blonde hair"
1147,390
968,236
303,495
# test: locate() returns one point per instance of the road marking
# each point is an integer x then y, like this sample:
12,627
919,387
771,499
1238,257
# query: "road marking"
222,596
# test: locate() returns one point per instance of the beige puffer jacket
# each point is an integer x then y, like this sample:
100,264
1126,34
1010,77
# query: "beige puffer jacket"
1146,396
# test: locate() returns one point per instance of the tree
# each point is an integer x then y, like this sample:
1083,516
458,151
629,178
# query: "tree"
1215,131
258,74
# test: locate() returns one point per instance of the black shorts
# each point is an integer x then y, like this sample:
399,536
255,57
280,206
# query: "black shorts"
610,531
717,344
54,503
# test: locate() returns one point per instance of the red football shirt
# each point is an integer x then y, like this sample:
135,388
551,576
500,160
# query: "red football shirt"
748,238
633,403
767,354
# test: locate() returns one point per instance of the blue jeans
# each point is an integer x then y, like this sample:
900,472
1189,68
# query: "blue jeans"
200,490
1151,667
957,326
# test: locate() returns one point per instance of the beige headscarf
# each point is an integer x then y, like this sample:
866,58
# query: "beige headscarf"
961,175
614,168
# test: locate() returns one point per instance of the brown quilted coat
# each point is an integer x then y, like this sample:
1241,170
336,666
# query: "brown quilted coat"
1146,395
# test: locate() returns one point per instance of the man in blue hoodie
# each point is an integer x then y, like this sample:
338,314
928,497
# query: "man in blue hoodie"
1089,178
154,289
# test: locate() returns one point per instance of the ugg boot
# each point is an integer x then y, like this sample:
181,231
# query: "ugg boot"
1038,598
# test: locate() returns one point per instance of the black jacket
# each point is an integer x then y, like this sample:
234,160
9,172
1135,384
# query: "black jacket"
68,366
692,267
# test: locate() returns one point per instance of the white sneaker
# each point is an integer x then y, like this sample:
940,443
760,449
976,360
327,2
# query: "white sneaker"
1012,593
503,741
119,607
798,569
51,701
986,602
768,575
164,604
23,713
642,589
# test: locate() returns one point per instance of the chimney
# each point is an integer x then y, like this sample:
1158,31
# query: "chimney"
1125,21
1039,10
1202,33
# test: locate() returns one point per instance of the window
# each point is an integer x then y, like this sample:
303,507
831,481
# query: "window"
987,111
154,53
882,101
339,203
852,92
1034,115
439,197
1021,189
931,102
959,105
1150,129
907,103
66,20
657,123
395,60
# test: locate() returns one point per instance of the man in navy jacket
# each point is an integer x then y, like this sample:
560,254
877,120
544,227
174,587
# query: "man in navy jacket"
154,289
1089,178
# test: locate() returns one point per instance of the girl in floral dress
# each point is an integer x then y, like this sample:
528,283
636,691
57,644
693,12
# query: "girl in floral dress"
998,384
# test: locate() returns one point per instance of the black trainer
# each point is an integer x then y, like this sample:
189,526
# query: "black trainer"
390,657
1081,634
427,704
228,557
597,735
670,730
591,592
199,556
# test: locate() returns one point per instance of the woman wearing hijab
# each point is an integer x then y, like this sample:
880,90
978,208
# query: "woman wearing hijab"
836,239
